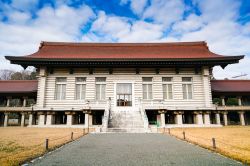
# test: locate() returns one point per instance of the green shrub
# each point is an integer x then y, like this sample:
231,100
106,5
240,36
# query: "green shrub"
217,101
232,101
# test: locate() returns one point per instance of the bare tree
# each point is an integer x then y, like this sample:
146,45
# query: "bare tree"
19,75
6,74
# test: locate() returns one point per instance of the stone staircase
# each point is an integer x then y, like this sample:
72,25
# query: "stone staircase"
125,121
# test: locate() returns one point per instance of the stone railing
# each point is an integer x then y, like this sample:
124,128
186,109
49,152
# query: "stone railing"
16,109
105,119
144,116
233,108
153,104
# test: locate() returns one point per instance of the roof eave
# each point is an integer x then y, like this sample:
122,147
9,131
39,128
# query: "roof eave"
215,61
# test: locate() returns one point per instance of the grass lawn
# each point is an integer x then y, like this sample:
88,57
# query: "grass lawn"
232,141
18,144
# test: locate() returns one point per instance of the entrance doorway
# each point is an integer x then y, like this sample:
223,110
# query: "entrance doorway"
124,95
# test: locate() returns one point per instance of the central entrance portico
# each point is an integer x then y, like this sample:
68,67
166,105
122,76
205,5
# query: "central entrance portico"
125,116
124,97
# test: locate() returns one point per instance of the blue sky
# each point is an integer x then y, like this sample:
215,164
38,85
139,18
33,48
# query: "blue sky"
223,24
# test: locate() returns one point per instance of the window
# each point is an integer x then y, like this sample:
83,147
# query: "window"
100,88
124,94
147,88
167,88
60,88
80,88
187,87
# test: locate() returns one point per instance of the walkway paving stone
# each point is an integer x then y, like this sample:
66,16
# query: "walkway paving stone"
132,149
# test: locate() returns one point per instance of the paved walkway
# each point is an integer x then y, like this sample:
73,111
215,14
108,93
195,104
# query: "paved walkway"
132,149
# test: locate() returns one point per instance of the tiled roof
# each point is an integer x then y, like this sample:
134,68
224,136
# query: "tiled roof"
230,85
180,50
18,86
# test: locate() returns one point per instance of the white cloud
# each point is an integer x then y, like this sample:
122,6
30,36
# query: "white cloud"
220,29
18,17
24,5
112,26
191,23
164,12
216,10
60,24
143,32
120,29
137,6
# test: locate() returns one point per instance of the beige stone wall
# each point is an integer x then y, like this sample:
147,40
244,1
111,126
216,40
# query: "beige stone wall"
201,87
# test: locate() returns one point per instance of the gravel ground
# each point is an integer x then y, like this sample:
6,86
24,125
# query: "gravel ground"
132,149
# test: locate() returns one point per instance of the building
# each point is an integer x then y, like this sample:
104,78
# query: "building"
135,87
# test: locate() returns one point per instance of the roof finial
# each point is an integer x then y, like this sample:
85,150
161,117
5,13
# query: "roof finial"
41,45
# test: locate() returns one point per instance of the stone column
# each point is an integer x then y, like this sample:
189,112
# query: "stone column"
22,119
25,101
223,100
69,118
178,118
207,118
90,120
49,120
41,119
225,118
30,119
163,120
242,118
8,101
199,119
6,118
239,100
217,117
86,120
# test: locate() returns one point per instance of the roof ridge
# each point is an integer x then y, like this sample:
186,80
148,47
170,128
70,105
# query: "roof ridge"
18,80
45,43
232,80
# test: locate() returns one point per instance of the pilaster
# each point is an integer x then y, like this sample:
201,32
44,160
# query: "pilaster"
41,87
206,86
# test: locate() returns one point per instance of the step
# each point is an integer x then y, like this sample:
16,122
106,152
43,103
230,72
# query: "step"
124,121
125,130
125,126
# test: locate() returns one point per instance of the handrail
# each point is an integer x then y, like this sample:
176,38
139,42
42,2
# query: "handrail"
143,115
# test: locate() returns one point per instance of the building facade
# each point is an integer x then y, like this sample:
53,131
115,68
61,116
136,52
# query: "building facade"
125,87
